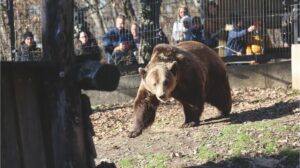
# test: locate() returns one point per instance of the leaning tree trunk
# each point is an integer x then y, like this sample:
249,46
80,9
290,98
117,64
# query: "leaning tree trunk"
97,17
152,34
129,11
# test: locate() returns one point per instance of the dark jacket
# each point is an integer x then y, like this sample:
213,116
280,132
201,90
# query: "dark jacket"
236,41
123,57
25,53
207,38
88,49
111,39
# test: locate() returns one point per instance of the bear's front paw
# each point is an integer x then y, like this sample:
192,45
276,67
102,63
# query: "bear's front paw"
133,134
190,124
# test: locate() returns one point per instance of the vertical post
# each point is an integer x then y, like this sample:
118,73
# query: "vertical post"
10,14
296,20
62,96
295,66
152,34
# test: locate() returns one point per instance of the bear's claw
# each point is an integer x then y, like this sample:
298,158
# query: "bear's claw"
133,134
190,124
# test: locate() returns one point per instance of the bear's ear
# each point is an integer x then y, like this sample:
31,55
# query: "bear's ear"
142,72
173,67
166,49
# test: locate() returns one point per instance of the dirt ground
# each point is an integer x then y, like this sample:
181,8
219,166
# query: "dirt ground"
268,117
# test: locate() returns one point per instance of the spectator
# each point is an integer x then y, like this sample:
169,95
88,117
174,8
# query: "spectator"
28,50
287,23
197,29
178,27
212,10
236,43
123,54
187,28
112,38
199,34
135,31
211,39
85,44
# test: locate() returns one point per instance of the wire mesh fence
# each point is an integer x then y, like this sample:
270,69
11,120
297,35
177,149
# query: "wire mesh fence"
236,29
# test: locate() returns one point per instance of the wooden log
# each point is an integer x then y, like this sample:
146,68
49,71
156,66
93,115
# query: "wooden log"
10,142
28,118
95,76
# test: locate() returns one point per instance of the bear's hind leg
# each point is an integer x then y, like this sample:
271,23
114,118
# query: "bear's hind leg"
192,115
221,98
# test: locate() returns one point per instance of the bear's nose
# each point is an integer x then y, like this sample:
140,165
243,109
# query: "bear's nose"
163,96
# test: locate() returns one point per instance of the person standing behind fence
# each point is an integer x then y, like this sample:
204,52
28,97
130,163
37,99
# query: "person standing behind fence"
135,31
197,29
178,27
200,35
28,50
287,23
236,42
112,38
85,44
123,54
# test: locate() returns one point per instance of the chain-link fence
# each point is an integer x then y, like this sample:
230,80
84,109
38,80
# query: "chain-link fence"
270,27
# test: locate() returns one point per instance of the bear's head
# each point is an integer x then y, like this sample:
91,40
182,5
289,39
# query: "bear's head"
160,79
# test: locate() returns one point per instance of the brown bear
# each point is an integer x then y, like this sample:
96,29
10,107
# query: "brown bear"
190,72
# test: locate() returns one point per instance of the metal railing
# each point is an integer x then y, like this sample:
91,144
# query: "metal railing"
277,23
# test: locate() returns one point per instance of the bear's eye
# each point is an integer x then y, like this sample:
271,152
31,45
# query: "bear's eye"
165,83
154,84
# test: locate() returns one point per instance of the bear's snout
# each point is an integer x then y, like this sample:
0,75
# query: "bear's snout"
162,97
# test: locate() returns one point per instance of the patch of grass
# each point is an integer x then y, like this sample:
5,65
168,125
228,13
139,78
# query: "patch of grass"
206,154
293,92
156,160
270,146
252,137
126,163
242,142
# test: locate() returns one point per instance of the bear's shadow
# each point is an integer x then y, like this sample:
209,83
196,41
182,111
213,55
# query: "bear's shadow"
272,112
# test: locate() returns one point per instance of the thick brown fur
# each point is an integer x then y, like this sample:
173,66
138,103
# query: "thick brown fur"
198,76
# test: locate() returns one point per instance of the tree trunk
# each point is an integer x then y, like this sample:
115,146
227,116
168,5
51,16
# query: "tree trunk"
152,34
62,97
129,11
96,17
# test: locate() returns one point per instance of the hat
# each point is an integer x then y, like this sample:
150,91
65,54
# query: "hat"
27,34
186,19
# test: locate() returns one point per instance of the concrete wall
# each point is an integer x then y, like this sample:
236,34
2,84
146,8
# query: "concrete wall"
263,76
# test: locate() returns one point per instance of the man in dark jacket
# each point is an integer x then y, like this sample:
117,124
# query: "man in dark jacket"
237,41
112,38
28,50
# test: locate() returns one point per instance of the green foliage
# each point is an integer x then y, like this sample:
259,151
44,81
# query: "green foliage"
126,163
241,142
206,154
156,160
253,137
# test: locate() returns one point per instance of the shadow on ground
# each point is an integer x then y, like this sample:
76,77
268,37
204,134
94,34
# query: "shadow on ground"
277,110
285,159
